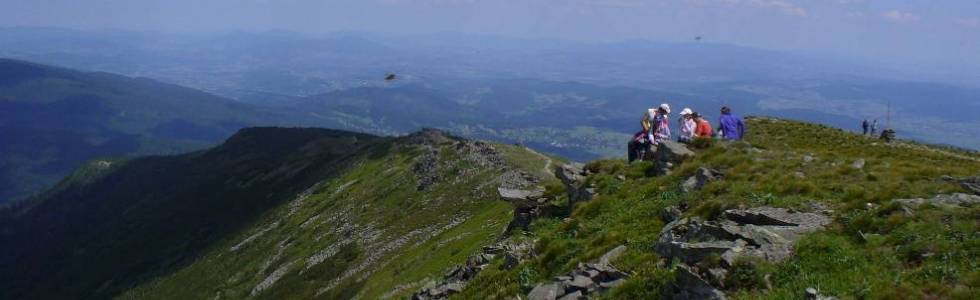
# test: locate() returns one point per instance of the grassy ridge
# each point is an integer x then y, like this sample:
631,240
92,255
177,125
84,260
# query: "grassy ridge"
931,253
379,235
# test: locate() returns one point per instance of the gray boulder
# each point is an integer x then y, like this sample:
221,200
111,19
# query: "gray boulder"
700,178
765,232
971,184
670,214
670,151
522,198
612,255
546,291
690,285
947,201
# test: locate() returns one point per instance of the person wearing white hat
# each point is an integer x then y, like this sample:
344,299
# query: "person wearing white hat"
687,126
660,129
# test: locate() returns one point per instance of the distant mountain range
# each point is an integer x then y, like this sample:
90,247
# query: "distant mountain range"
572,99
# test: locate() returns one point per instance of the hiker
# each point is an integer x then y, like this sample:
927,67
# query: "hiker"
729,125
874,127
639,145
703,128
687,126
659,127
865,125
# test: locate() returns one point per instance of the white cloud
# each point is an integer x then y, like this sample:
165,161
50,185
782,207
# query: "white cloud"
783,6
968,22
899,16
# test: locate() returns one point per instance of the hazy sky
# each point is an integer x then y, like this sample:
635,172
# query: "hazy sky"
932,33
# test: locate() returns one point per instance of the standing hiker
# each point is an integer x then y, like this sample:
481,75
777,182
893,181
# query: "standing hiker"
730,125
660,127
874,127
864,126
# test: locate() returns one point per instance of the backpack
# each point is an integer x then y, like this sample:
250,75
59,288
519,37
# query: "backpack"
646,123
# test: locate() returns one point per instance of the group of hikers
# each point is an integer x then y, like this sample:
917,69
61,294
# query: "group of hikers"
873,127
692,126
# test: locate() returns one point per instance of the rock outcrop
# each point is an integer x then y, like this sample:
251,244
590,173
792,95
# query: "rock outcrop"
971,184
669,154
762,232
573,177
945,200
456,277
584,280
527,205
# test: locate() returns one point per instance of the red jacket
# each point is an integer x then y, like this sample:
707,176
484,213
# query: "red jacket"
703,129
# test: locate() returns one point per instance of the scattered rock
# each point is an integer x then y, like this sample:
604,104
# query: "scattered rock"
812,294
808,159
612,255
700,178
946,200
763,232
800,175
971,184
690,285
549,291
670,214
573,296
584,280
455,279
858,164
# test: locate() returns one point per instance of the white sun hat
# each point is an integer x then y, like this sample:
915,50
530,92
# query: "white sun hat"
686,111
666,107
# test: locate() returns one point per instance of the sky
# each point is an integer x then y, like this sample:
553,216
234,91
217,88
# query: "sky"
933,35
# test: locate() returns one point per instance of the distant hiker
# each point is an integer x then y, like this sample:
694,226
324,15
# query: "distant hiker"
730,125
660,129
874,127
687,126
865,125
703,128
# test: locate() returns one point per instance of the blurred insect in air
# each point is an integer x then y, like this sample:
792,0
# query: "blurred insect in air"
390,77
697,38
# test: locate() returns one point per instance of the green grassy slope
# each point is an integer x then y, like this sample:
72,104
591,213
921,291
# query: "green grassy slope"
932,253
372,232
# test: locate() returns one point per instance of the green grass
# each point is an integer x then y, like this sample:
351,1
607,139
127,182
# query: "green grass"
762,171
406,229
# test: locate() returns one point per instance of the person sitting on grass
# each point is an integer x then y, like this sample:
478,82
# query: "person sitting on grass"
703,128
730,125
687,126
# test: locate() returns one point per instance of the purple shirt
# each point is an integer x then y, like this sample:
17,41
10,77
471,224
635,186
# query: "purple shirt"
732,126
